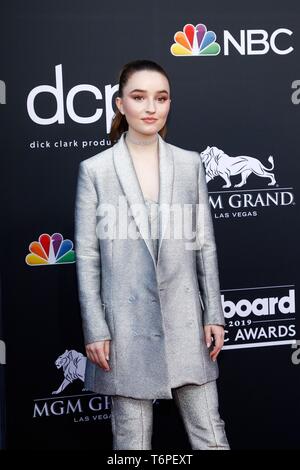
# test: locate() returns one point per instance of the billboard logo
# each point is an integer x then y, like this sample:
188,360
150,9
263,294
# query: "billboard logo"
260,316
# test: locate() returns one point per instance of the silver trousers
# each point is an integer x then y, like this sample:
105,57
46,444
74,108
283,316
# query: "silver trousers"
132,419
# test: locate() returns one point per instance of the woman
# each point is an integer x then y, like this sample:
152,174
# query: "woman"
150,300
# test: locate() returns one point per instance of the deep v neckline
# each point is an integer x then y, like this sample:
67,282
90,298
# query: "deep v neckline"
137,178
151,200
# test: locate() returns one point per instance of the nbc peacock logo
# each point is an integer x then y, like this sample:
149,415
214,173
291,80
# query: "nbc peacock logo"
195,41
50,249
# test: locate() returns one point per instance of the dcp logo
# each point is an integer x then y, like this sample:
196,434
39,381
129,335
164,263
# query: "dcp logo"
58,92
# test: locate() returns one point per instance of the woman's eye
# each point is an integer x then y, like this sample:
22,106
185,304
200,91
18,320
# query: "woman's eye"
161,99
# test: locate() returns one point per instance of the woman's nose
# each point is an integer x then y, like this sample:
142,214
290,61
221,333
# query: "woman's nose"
150,106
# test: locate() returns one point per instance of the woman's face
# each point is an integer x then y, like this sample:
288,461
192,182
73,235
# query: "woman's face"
145,95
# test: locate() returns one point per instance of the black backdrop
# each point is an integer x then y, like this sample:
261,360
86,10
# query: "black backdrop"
243,103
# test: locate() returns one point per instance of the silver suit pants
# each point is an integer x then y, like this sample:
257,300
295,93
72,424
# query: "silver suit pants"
132,419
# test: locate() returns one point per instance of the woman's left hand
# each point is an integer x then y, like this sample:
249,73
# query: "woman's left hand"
217,332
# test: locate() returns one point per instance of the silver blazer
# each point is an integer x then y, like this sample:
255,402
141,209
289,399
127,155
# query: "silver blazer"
152,311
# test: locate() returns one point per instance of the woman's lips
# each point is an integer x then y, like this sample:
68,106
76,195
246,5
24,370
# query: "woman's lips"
149,120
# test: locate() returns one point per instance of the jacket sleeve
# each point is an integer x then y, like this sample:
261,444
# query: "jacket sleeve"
88,260
206,256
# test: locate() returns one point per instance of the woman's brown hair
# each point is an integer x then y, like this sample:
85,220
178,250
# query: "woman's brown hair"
119,123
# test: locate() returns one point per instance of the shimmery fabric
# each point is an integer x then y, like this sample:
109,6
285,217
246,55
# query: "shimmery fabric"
132,419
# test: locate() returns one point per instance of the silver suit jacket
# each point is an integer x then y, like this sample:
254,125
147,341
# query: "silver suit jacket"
152,311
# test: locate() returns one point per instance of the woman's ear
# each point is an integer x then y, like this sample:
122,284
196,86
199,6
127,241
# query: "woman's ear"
118,102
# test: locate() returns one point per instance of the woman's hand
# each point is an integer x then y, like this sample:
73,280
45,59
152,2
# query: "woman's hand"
98,353
217,332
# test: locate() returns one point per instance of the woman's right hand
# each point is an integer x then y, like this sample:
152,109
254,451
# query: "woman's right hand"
98,353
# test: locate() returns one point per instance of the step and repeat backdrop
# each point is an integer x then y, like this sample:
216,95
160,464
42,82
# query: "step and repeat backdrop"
235,89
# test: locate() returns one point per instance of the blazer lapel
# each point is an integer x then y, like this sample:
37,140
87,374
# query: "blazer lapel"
131,187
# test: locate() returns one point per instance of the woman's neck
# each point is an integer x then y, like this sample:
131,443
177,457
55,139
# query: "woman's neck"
143,142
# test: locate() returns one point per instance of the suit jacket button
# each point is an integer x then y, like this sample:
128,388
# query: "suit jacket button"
131,298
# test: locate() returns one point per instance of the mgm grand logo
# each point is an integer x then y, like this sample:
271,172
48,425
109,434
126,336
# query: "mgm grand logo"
82,407
232,202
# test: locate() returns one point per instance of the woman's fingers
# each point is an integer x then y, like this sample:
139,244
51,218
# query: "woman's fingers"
106,349
217,333
101,358
219,341
98,352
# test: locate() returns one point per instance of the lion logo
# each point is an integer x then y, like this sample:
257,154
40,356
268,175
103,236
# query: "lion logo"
218,163
73,364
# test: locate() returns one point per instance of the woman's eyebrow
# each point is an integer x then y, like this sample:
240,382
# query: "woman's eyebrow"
145,91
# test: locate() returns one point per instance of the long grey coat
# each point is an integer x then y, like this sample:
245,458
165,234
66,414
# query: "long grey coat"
153,313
